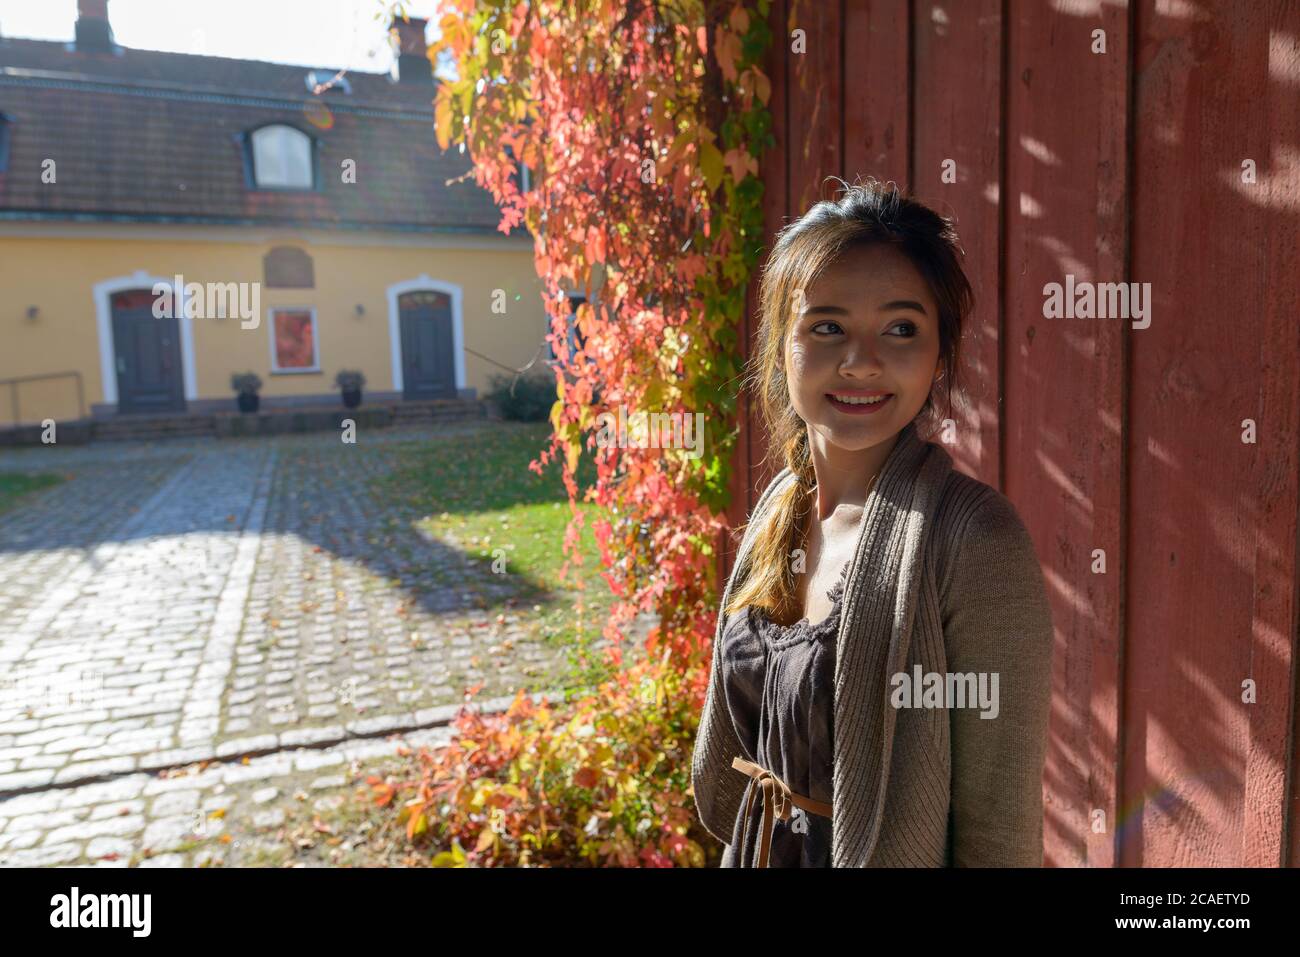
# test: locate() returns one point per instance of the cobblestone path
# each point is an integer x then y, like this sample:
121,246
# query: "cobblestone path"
177,603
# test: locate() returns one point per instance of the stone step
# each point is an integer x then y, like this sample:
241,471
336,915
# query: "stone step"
449,409
184,425
145,435
267,421
148,428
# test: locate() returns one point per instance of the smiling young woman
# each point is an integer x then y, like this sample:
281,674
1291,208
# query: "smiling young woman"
867,556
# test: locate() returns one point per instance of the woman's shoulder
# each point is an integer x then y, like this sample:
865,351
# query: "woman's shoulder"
963,496
974,520
989,577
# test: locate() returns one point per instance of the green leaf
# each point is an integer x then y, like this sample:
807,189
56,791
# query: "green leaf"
711,164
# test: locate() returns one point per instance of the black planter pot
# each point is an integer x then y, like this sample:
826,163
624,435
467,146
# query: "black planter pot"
249,401
351,398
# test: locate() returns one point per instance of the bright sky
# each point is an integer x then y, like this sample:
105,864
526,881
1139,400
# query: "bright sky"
323,33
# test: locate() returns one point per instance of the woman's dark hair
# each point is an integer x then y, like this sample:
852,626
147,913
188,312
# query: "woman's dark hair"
863,214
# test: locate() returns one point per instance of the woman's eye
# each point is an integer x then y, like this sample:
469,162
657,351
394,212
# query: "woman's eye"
829,327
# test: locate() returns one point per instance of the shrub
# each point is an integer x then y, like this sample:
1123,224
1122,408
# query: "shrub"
246,382
601,781
349,380
525,398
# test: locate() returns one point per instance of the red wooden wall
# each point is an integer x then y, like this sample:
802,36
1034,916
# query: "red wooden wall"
1122,166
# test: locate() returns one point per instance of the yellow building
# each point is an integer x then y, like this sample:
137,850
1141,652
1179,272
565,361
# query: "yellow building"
169,220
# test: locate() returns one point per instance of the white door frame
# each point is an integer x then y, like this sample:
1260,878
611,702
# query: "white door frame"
424,284
140,279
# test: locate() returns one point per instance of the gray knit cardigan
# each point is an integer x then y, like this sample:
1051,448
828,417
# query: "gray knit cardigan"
945,576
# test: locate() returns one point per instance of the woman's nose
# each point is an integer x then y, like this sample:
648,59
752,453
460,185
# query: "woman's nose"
859,358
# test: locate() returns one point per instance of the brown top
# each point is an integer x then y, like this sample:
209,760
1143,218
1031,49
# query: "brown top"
779,682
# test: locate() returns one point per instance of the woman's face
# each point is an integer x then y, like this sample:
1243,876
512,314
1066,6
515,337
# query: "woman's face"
867,328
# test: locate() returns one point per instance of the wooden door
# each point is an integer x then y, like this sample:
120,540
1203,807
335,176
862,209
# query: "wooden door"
428,356
147,355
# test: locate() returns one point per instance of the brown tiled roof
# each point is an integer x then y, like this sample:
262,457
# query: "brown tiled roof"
154,136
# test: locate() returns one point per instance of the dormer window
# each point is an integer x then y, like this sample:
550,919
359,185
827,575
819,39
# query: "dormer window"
281,158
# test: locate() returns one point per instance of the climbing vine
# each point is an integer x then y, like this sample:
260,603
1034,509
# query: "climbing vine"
641,124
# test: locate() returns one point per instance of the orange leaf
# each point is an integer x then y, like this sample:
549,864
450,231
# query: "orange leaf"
442,116
727,50
595,245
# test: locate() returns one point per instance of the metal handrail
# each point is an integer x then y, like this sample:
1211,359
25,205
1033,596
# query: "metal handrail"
13,384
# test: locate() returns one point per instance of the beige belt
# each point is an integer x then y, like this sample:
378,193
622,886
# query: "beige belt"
777,798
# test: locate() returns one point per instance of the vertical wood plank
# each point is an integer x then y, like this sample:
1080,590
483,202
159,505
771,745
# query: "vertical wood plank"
815,104
1064,205
958,106
876,67
1212,586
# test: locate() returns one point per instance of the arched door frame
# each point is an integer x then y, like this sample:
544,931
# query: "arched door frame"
103,293
423,283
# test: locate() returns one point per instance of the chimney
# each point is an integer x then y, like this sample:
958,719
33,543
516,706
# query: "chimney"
94,35
412,52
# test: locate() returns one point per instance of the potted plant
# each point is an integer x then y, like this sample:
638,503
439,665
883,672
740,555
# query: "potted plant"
247,384
350,383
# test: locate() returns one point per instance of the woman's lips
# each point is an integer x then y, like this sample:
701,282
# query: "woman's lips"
859,408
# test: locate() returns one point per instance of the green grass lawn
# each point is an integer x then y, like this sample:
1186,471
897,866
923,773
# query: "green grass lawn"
14,485
476,493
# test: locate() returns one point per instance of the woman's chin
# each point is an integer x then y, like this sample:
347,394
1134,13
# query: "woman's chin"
853,437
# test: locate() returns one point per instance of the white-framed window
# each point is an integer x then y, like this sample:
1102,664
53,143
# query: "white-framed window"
4,142
523,175
294,345
281,158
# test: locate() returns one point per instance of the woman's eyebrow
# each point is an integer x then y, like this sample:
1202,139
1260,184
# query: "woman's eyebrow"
903,304
887,307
